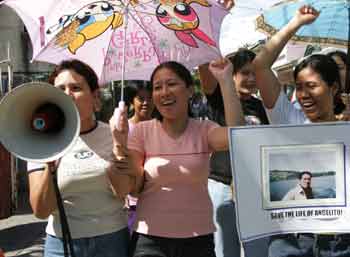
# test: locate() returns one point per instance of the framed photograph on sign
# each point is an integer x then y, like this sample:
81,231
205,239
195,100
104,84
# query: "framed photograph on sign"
302,175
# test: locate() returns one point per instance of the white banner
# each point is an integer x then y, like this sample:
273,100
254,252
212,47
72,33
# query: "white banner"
291,179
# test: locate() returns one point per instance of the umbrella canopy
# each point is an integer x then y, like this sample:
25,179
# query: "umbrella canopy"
238,28
330,28
186,31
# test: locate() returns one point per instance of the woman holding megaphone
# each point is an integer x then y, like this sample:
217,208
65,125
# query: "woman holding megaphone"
89,178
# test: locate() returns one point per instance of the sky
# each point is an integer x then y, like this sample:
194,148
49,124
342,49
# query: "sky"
303,159
238,27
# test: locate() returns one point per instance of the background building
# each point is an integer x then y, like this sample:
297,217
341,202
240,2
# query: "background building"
14,35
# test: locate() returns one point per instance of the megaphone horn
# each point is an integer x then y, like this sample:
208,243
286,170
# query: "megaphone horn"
38,122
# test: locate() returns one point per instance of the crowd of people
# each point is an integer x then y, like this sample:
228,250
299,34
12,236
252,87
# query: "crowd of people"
157,182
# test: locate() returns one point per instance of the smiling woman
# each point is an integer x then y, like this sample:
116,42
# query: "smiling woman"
87,178
316,77
170,89
317,82
170,159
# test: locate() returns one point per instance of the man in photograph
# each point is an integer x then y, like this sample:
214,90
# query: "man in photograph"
303,190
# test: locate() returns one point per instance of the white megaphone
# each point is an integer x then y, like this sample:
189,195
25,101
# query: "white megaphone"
38,122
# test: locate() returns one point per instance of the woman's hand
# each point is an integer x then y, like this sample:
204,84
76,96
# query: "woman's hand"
221,69
227,4
121,176
121,165
306,15
119,128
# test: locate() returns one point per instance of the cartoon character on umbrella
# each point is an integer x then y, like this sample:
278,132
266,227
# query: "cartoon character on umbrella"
95,18
182,18
87,23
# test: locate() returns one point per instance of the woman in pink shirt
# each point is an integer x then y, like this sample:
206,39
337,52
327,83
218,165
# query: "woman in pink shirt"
170,160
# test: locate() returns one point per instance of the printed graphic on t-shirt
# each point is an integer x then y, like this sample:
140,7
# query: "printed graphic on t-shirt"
82,160
83,154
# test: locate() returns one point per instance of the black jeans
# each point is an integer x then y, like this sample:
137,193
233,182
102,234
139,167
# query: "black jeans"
154,246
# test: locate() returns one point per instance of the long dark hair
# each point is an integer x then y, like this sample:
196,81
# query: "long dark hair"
340,54
182,72
343,56
79,67
328,70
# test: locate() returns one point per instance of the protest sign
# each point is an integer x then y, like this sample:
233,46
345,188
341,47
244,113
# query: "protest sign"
291,179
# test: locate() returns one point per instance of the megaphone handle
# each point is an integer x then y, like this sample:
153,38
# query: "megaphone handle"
117,112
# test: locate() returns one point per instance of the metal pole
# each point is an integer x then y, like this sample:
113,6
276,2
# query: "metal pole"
9,78
126,14
1,85
346,95
9,69
13,160
347,75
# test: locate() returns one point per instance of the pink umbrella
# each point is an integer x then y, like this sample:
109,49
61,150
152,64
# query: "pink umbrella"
122,40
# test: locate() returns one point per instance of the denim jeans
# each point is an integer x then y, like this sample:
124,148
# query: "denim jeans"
115,244
308,245
226,237
257,247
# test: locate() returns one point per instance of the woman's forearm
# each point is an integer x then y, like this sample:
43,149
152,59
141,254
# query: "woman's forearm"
42,194
123,176
232,104
267,81
274,46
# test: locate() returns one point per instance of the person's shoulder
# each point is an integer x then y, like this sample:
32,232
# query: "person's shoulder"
146,127
290,195
147,123
101,129
196,125
296,190
198,122
98,136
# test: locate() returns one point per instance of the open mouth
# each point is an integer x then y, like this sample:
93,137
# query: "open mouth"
308,106
168,103
144,109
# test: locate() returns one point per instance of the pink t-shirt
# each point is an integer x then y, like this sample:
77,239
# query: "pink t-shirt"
174,202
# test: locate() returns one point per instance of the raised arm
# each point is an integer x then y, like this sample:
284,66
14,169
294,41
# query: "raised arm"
267,82
207,80
222,71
